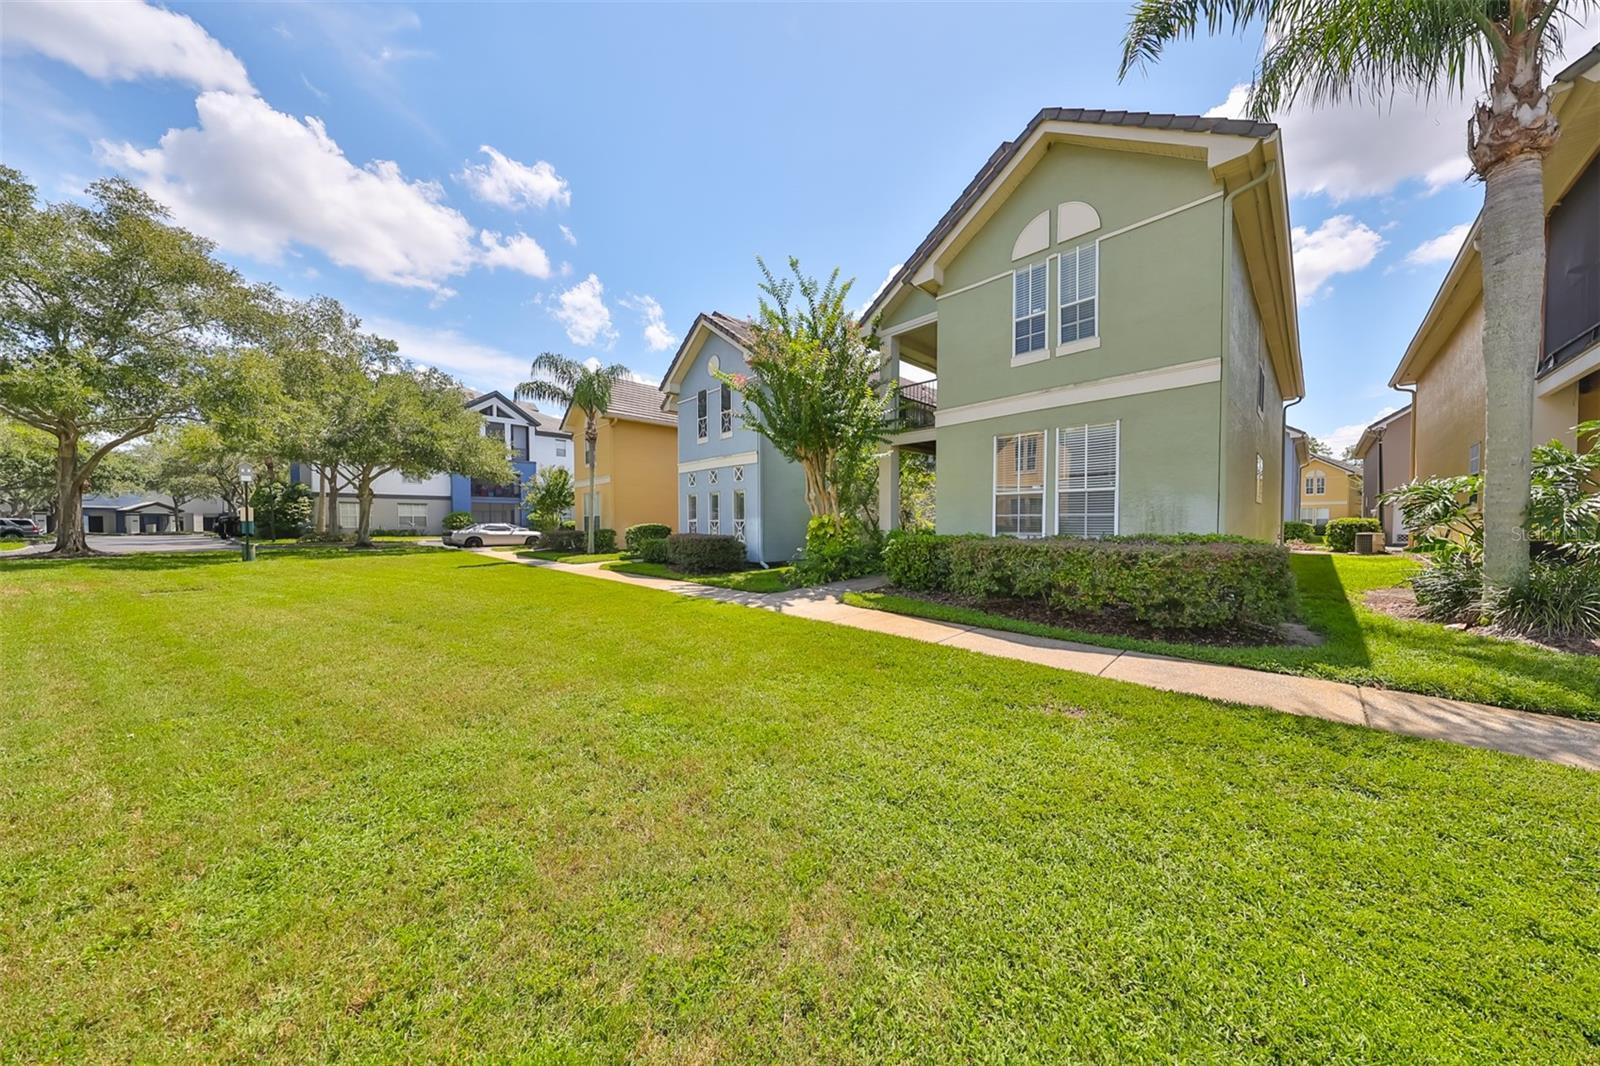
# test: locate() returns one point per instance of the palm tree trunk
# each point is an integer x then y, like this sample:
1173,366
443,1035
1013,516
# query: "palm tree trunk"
1512,248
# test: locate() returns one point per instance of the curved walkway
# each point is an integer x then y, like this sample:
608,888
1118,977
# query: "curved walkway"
1558,740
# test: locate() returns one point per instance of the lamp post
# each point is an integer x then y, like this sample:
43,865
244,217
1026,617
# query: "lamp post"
247,518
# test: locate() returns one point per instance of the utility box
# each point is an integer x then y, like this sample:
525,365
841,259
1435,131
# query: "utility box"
1367,543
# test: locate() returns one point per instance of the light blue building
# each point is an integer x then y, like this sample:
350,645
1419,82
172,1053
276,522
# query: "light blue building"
730,478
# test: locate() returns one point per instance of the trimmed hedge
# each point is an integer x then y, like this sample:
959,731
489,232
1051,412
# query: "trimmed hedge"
605,540
1167,583
634,536
1342,532
563,540
704,553
652,551
1298,531
457,520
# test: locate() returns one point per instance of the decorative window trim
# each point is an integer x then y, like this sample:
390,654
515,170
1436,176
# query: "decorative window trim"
691,479
691,513
726,419
1090,481
738,515
714,513
700,416
1040,491
738,473
711,477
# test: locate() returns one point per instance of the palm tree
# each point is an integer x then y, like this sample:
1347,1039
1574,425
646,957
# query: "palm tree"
1331,50
562,382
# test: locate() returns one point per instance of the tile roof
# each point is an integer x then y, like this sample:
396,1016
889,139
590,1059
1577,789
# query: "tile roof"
639,402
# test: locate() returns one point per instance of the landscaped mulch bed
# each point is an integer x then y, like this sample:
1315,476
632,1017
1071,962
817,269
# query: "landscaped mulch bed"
1401,602
1109,625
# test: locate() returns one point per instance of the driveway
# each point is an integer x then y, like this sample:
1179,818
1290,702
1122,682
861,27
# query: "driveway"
138,544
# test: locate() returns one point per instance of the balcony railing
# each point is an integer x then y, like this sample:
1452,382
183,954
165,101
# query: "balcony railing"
915,405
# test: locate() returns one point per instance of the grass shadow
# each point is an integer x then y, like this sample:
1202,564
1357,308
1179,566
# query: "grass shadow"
1328,608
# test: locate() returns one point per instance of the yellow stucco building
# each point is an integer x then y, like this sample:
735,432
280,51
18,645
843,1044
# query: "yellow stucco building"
1329,488
636,457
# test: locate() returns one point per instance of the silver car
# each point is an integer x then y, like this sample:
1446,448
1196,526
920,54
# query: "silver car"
487,534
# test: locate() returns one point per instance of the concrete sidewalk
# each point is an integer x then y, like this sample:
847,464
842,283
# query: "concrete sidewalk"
1537,736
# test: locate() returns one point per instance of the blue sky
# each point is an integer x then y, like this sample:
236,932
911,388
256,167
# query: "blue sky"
484,182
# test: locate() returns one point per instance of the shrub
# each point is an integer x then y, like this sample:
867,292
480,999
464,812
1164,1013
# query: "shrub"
605,540
1555,599
1342,532
653,551
457,520
1169,583
917,560
1298,531
704,553
836,548
1450,590
635,536
563,540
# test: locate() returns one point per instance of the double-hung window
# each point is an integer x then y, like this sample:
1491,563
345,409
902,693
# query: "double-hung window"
692,513
1475,458
413,516
714,524
700,417
738,514
1080,285
1086,480
1019,485
1316,484
1027,311
349,514
727,409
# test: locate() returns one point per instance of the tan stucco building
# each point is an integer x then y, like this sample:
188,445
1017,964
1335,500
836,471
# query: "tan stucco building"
636,453
1385,453
1329,488
1444,362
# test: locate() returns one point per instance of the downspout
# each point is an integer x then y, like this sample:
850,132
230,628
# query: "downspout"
1283,449
1412,393
1222,351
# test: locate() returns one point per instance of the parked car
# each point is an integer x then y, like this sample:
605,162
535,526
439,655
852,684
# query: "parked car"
485,534
20,527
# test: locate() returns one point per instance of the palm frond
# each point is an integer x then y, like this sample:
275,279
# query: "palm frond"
1156,23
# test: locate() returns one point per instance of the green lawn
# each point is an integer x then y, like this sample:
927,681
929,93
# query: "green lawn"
1361,646
330,805
773,579
12,545
552,556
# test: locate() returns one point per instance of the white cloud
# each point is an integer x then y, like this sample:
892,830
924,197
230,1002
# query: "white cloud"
517,252
632,375
480,365
567,235
1355,149
258,181
122,40
884,284
583,312
1440,249
1346,436
657,337
1341,245
510,184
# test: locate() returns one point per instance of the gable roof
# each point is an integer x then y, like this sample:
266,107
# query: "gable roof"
1241,154
1343,464
542,424
736,331
1369,436
634,401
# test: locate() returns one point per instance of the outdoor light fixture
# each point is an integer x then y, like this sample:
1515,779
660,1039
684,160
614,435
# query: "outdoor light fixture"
247,518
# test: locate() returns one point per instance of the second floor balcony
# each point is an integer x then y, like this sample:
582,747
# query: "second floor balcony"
914,405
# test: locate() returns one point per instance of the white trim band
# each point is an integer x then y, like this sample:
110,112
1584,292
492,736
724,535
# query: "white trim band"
716,462
1180,376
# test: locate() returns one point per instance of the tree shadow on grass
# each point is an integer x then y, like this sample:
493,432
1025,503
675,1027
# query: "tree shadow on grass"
1326,607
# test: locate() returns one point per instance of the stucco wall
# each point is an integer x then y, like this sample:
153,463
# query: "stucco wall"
1167,462
1249,430
1449,407
643,472
1159,289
